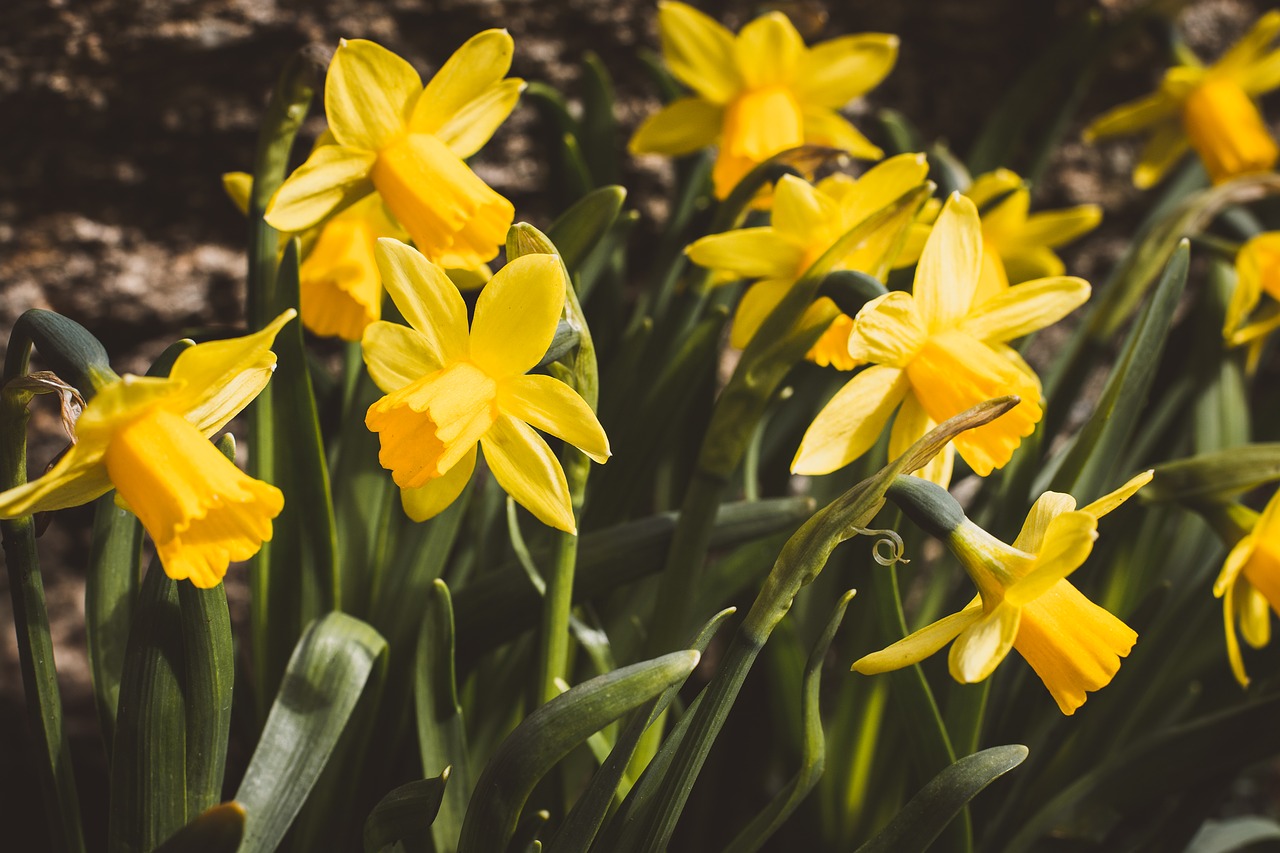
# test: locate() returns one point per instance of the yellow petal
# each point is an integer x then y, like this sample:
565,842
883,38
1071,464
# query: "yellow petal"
369,94
78,477
340,290
990,186
238,186
1252,47
681,127
516,315
1110,501
699,51
1055,228
913,247
851,422
331,178
219,378
1239,555
473,125
1255,616
882,185
435,497
1257,270
1164,148
526,469
832,349
1233,641
888,330
553,407
801,211
200,509
1262,76
756,305
1023,264
426,299
835,72
980,647
1025,308
1133,116
823,126
467,76
1068,541
1227,131
749,253
947,274
760,123
768,50
1047,507
397,355
920,644
910,425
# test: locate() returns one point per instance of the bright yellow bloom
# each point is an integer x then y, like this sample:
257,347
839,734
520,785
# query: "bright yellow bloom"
408,143
1248,583
760,92
449,389
147,438
938,352
1257,272
807,220
1025,602
1211,109
1016,246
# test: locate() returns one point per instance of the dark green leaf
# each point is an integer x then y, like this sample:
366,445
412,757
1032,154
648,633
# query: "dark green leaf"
405,815
111,584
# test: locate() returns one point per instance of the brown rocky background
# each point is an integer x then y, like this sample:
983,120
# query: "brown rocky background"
119,117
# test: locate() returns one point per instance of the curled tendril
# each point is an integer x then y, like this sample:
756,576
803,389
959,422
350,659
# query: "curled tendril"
887,539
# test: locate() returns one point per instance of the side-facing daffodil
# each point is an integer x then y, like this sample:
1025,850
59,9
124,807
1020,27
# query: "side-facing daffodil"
1212,110
1249,586
939,351
1017,245
408,144
1024,601
1257,272
147,437
760,92
449,389
807,220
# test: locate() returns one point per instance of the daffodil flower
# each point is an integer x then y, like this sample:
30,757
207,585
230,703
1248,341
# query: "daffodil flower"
1249,586
760,92
1257,272
1025,602
147,437
1017,245
408,144
1211,109
449,389
807,220
939,351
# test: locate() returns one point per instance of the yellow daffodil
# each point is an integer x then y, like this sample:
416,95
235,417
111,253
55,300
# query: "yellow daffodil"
807,220
1249,586
1017,246
449,389
147,438
408,144
1257,272
1212,110
1025,602
938,351
760,92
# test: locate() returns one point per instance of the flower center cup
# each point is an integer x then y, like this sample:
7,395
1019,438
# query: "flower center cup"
1227,131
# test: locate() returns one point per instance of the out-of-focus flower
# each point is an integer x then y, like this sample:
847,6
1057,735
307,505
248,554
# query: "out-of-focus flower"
1211,109
408,143
760,92
807,221
1249,586
1257,272
449,389
1025,602
938,351
148,438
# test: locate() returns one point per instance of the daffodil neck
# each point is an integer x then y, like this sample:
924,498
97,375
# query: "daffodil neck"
992,565
928,505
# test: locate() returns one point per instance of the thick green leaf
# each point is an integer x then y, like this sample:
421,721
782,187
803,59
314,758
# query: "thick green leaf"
216,830
924,817
1231,834
320,688
111,584
549,733
1215,476
577,231
405,816
209,658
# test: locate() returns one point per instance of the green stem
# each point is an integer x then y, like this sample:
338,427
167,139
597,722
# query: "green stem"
553,656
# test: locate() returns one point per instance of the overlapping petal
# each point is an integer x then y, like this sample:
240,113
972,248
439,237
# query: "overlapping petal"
430,500
470,127
980,647
1025,308
396,355
947,274
852,421
749,252
553,407
331,178
426,298
470,74
1068,540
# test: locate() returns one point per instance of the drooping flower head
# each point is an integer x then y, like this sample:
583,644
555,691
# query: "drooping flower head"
1257,273
450,389
1017,245
1024,601
1212,110
408,143
807,220
147,437
937,352
1249,586
760,92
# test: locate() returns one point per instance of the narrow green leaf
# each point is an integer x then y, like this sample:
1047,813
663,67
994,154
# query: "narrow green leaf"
111,585
321,685
548,734
405,816
577,231
1215,476
924,817
599,127
217,830
209,658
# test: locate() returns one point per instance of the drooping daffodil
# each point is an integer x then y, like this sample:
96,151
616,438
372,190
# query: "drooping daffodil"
937,352
1257,273
807,220
1024,601
147,437
1211,109
449,389
1249,585
760,92
408,143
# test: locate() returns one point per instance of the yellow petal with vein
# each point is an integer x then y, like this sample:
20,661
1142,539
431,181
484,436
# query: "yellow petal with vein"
947,274
1025,308
473,125
369,94
768,51
516,315
397,355
851,422
466,76
749,253
681,127
1111,500
435,497
426,298
553,407
526,469
331,178
699,51
919,645
980,647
